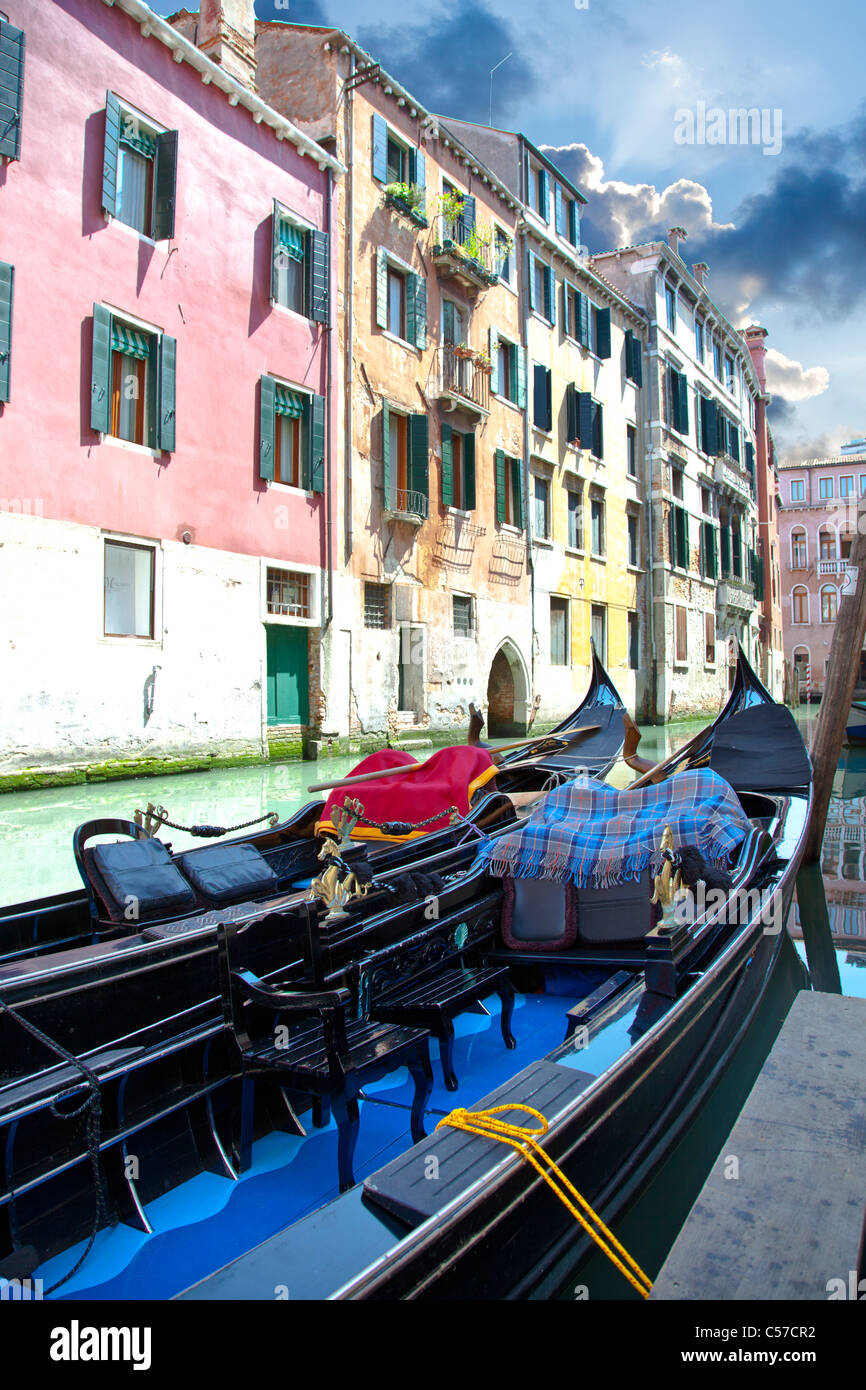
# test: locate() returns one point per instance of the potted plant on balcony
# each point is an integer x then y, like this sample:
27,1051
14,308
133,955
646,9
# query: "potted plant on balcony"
463,350
450,212
483,363
407,198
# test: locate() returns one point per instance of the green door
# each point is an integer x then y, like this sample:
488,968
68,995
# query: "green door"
288,679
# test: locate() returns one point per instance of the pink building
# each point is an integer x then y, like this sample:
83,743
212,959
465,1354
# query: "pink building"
818,524
165,424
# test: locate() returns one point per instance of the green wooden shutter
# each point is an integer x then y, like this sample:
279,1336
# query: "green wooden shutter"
386,456
111,153
417,169
467,216
734,442
539,396
573,223
517,491
634,359
380,149
419,336
602,344
11,89
549,298
165,431
267,428
543,194
681,403
275,251
100,373
530,279
469,472
316,445
7,277
571,421
709,426
419,448
411,285
447,466
165,184
725,537
584,419
499,475
381,288
566,323
750,458
583,320
518,358
598,430
318,283
494,359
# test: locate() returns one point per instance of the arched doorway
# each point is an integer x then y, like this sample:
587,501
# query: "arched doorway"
507,694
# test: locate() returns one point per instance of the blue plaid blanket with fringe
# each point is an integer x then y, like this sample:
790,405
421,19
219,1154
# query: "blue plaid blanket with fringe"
594,835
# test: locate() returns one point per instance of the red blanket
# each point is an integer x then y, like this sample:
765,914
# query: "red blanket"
442,781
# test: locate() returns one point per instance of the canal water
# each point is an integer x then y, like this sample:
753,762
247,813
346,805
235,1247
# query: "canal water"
36,859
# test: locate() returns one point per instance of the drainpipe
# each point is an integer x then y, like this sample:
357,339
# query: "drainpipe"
523,310
349,309
329,452
649,460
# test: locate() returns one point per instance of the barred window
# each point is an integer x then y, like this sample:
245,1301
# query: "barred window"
462,610
288,593
377,605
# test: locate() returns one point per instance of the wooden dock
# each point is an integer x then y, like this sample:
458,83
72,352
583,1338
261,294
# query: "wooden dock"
781,1215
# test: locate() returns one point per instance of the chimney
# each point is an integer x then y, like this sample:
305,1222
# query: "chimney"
675,236
754,336
701,270
227,35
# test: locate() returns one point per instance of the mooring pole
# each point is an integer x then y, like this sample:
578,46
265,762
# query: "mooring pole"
839,686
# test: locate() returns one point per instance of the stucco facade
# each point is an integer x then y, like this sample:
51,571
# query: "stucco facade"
432,598
131,436
817,527
703,521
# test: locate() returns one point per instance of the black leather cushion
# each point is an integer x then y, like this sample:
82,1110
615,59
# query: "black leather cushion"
141,874
223,872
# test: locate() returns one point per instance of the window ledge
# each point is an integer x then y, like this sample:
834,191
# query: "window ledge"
681,665
118,640
294,313
541,429
543,540
505,401
599,559
133,231
290,487
511,530
457,511
401,342
284,620
578,554
534,314
130,447
636,569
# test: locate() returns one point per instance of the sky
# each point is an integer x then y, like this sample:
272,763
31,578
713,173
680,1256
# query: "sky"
631,99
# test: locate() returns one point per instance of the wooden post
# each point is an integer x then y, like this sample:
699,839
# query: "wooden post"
838,688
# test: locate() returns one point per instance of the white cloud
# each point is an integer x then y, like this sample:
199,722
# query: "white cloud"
791,380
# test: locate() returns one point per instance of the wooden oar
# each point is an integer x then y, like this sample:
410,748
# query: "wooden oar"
655,773
413,767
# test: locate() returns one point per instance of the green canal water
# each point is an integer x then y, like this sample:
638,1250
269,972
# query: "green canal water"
36,859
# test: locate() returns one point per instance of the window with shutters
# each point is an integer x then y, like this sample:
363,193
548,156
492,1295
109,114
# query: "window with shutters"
7,280
736,548
508,479
633,358
676,409
462,615
509,370
709,639
405,440
132,381
681,640
676,482
541,513
825,488
397,158
597,529
300,275
575,518
846,486
139,171
401,300
679,537
129,590
504,255
709,564
288,593
377,605
600,332
542,399
558,631
798,490
458,469
291,436
631,450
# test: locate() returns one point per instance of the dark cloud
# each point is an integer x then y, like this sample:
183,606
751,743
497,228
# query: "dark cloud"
446,64
800,243
294,12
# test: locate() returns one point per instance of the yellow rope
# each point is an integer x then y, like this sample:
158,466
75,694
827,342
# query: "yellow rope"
525,1142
